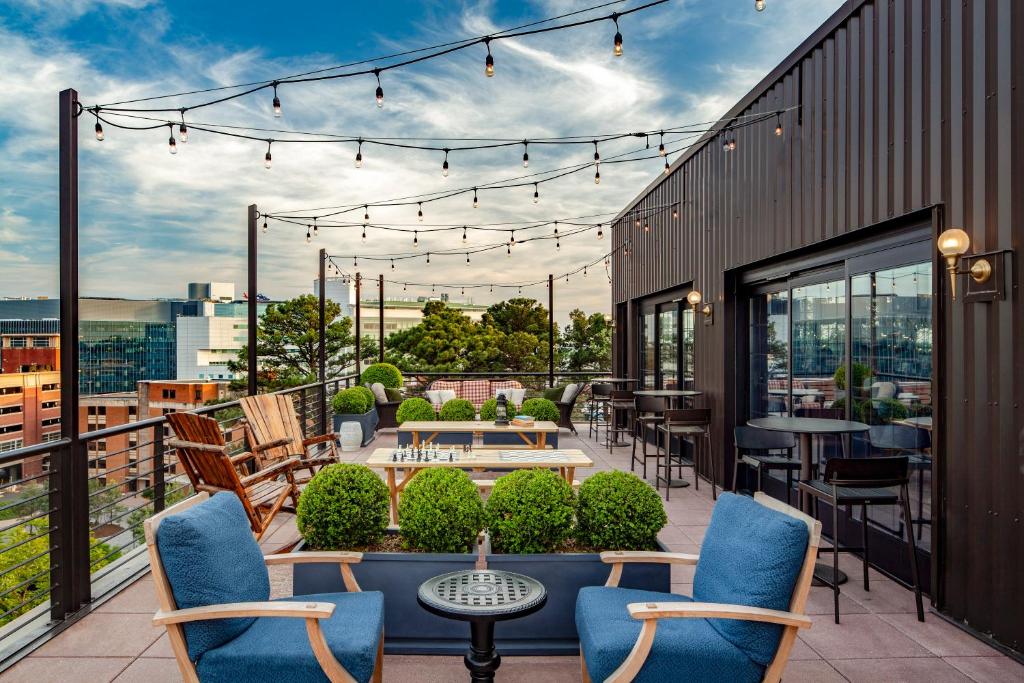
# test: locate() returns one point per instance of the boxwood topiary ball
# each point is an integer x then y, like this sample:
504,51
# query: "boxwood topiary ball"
489,410
369,400
441,511
384,373
350,401
619,511
457,410
414,410
540,409
529,511
344,506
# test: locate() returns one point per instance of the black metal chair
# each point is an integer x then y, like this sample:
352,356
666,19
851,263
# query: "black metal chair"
621,404
600,395
688,424
650,412
565,408
753,439
864,482
912,442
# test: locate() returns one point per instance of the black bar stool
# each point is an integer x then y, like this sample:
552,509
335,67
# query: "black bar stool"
912,442
864,482
688,424
620,401
600,395
753,439
650,411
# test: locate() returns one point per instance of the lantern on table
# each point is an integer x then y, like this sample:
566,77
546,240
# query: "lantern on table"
501,411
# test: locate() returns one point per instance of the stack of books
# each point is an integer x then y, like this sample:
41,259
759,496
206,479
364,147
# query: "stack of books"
522,421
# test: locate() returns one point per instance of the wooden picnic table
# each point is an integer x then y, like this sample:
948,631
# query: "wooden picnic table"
477,460
424,432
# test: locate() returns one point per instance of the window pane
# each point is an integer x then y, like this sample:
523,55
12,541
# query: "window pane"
668,346
647,343
688,358
769,354
819,347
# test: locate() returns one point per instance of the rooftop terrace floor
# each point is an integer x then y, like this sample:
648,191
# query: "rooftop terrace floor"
879,638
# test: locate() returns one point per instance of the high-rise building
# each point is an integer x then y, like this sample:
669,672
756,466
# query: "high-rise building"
341,290
401,314
209,337
29,414
211,291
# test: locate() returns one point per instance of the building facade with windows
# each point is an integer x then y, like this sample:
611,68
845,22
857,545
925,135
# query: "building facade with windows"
29,414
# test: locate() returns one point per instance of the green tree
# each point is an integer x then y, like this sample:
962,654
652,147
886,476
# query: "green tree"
288,343
446,340
523,333
586,343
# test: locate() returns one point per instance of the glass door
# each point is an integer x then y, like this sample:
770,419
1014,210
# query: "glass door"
768,373
818,350
668,346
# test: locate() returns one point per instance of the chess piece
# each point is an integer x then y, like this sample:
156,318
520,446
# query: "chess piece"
394,456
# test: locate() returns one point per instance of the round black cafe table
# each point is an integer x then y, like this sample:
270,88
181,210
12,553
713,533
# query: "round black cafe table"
615,380
805,428
669,393
482,597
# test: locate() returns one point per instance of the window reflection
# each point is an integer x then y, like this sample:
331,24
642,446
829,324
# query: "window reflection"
769,354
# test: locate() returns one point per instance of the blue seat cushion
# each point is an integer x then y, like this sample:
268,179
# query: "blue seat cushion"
683,649
277,650
751,555
210,557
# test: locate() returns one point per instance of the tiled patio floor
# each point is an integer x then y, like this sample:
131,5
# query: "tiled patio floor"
879,638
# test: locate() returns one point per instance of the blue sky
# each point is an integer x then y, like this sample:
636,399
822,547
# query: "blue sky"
151,222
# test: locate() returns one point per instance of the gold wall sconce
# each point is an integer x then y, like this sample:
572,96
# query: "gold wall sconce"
694,298
986,282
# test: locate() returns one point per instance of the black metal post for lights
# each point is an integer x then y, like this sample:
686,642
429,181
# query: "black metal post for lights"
359,341
69,466
551,330
322,353
253,297
380,314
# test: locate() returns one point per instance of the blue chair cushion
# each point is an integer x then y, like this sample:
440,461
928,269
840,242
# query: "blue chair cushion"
751,555
683,649
277,649
210,558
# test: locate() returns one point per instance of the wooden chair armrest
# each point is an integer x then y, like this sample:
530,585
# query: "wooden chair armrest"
283,441
323,438
712,610
617,558
342,556
179,443
274,470
241,457
233,610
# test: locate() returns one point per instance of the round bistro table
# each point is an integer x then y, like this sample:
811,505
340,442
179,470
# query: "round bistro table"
805,428
673,394
482,597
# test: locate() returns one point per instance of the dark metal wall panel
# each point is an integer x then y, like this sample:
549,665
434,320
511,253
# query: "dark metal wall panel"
902,105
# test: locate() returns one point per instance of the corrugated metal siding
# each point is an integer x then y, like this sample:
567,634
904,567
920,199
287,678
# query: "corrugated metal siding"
904,104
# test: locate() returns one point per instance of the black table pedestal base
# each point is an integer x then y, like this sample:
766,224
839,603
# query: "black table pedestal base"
483,659
823,575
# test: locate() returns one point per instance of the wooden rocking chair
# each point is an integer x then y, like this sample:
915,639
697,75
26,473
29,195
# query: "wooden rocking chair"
274,433
204,457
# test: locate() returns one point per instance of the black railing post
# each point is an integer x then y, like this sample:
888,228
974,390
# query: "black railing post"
359,341
159,481
253,296
303,411
322,352
69,559
551,330
380,314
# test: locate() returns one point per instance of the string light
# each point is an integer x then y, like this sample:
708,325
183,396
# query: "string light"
584,271
467,258
759,5
182,129
99,128
508,250
597,155
675,211
264,226
778,125
316,230
638,221
277,102
597,174
536,193
380,90
668,167
489,61
359,155
464,235
366,214
476,202
355,262
647,226
309,238
419,212
732,143
416,238
172,146
661,143
444,166
392,264
364,237
526,154
512,239
618,35
267,161
428,258
600,232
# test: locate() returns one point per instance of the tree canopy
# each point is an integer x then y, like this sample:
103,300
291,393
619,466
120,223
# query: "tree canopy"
586,343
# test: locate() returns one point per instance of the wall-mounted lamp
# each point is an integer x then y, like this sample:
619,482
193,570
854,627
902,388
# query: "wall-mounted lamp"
694,298
953,244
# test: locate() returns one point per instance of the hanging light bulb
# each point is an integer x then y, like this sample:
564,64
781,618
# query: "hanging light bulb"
309,238
600,232
668,167
661,144
392,264
355,261
675,211
476,202
725,144
464,234
558,245
584,271
182,129
732,143
513,237
264,226
419,212
404,288
463,291
626,251
415,238
567,277
778,125
428,258
492,289
508,250
267,162
359,155
99,128
638,221
489,60
444,166
759,5
526,154
277,103
597,155
597,174
647,226
536,194
316,230
366,214
467,258
364,233
520,290
618,35
380,90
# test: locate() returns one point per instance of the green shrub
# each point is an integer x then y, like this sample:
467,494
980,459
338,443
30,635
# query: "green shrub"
529,511
457,410
368,397
861,374
619,511
489,410
344,506
882,411
441,511
540,409
414,409
384,373
351,401
394,395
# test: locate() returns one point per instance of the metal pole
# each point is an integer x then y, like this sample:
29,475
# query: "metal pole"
380,314
551,330
359,349
322,359
253,294
69,490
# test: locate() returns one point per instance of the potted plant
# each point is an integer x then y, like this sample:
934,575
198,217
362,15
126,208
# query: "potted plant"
457,410
345,507
356,404
540,409
529,520
382,373
414,409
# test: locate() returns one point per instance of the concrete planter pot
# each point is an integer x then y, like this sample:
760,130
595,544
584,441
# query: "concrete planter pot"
368,422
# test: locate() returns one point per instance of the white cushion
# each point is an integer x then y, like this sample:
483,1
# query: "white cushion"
513,396
434,396
446,395
378,392
570,391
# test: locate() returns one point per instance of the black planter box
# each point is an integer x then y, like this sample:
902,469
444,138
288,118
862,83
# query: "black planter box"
410,629
368,421
493,439
442,439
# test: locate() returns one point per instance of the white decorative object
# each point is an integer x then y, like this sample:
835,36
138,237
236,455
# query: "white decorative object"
513,396
570,391
351,435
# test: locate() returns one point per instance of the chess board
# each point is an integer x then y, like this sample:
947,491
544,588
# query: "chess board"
545,456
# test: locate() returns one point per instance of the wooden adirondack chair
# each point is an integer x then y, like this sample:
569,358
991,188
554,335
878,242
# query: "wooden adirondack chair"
205,459
274,433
